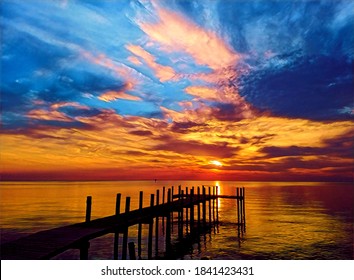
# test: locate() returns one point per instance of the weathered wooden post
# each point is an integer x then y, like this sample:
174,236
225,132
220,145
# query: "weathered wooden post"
198,207
141,198
192,211
131,246
84,246
118,198
217,204
125,234
151,224
244,207
214,204
188,200
88,209
179,212
209,206
163,216
181,215
116,234
168,223
238,205
84,250
171,200
204,207
157,224
163,195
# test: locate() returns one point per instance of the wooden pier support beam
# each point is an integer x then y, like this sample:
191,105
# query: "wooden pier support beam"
125,234
168,224
243,206
198,207
209,206
151,224
171,200
141,198
213,203
131,246
118,198
163,216
88,209
192,210
187,211
181,224
84,250
217,204
238,205
116,234
204,207
157,225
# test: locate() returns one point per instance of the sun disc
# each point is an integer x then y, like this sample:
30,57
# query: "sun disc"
215,162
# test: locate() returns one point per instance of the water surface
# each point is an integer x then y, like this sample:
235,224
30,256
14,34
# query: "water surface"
283,220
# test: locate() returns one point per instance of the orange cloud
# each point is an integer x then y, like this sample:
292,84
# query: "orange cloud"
114,95
69,104
177,33
48,115
164,73
203,92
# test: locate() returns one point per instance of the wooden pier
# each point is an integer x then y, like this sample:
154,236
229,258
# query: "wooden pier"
196,208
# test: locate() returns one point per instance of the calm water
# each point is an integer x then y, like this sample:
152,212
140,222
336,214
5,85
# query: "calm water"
284,220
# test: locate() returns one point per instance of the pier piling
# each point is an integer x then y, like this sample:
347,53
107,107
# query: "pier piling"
125,234
88,209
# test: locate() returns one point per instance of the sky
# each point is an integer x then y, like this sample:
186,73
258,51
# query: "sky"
204,90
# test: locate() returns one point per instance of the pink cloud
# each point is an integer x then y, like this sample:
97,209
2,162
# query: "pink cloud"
175,32
121,70
134,60
164,73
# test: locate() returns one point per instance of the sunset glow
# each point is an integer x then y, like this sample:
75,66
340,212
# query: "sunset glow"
204,90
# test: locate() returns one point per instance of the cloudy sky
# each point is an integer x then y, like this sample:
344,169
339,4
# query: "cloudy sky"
212,89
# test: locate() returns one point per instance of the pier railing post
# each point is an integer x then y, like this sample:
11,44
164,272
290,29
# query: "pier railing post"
88,209
209,206
125,234
131,246
141,196
217,204
180,232
198,207
168,223
192,210
238,205
163,216
116,234
188,199
118,198
172,213
213,203
243,206
157,225
151,224
84,250
204,207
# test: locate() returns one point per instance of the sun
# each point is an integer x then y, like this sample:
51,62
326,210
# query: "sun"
215,162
